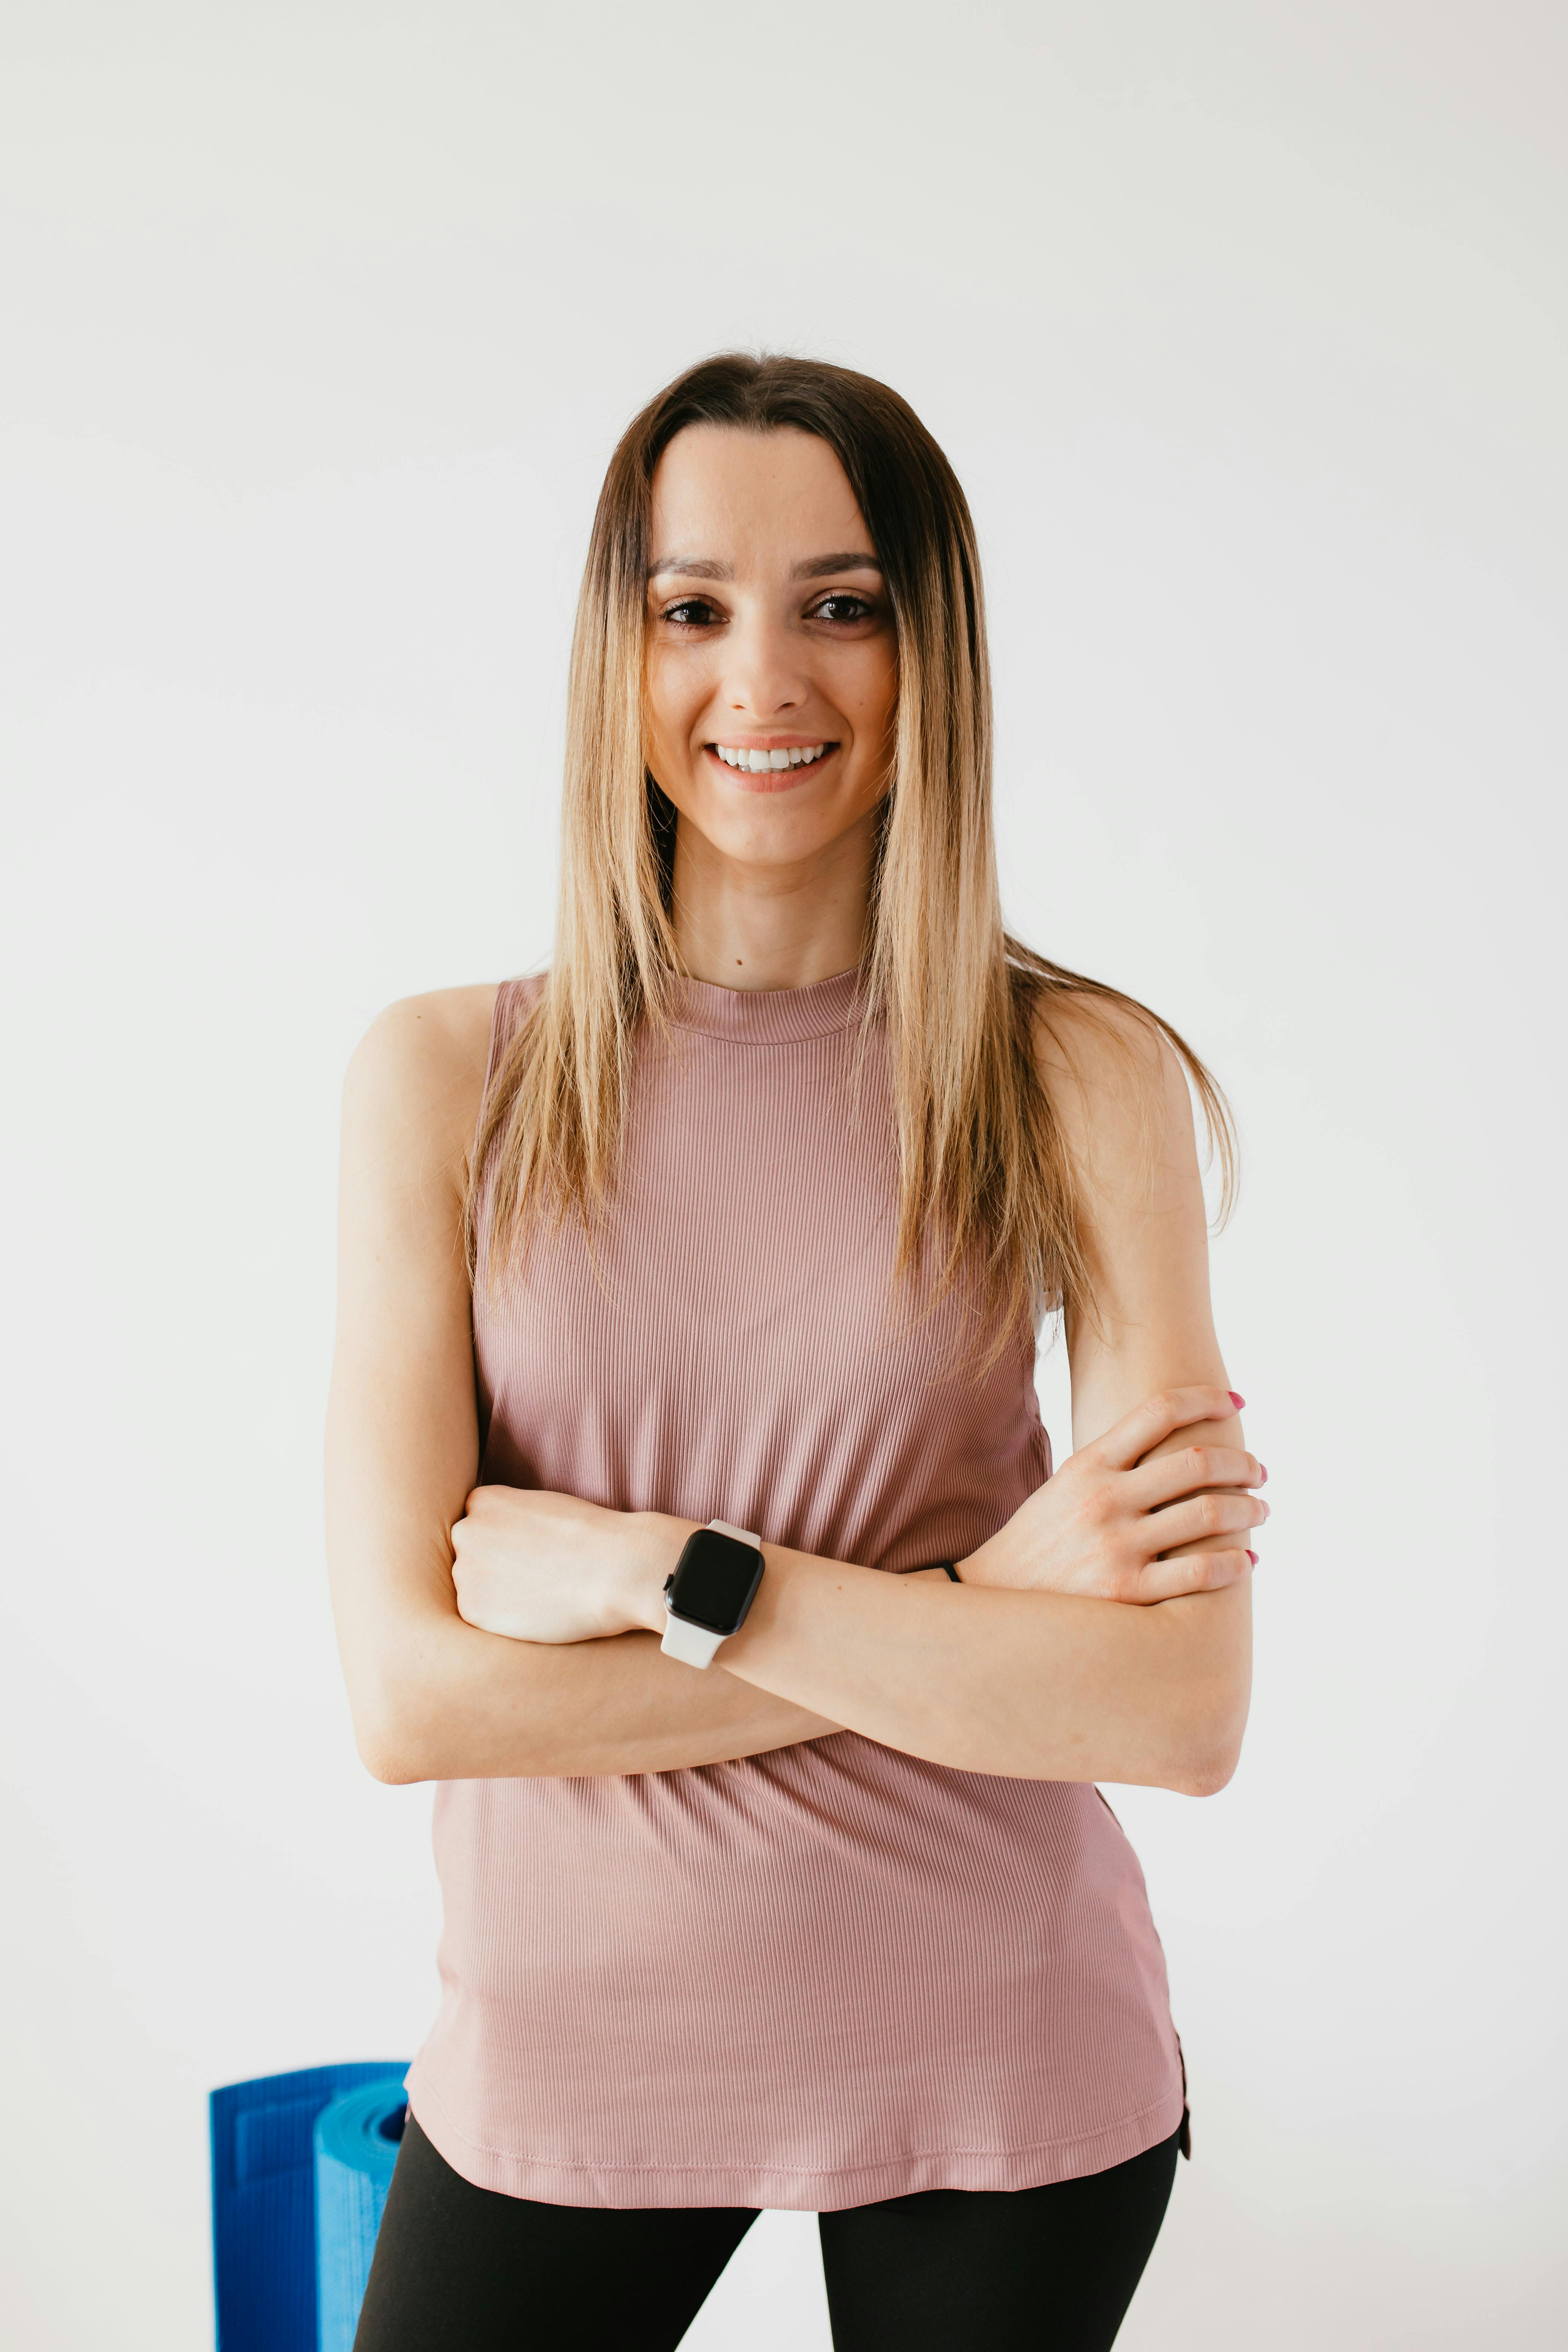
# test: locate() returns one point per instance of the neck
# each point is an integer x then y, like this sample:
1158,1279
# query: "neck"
739,925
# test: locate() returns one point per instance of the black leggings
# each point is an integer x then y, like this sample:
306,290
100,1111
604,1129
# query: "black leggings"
460,2269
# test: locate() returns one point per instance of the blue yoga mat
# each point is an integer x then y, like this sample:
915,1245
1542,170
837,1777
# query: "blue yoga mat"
356,2147
264,2252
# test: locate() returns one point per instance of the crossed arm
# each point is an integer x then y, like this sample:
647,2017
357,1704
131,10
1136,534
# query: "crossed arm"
1103,1634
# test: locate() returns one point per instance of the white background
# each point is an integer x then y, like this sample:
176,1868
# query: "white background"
1243,324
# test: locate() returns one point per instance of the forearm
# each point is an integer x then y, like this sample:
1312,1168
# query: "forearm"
451,1703
1038,1685
1032,1684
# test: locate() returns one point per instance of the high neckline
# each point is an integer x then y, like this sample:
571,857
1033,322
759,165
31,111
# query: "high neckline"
767,1016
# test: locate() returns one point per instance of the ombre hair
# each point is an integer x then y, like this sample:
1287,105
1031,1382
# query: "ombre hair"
987,1185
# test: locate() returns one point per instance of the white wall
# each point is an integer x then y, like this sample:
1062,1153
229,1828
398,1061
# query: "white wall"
1244,325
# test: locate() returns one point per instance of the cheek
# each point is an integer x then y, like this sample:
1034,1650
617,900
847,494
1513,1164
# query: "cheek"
674,693
874,690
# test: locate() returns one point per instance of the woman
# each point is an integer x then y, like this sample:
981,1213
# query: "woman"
689,1512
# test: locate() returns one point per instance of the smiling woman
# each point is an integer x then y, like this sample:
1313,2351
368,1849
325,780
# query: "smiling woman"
763,1189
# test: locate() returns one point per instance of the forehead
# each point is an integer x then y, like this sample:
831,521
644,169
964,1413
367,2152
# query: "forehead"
720,491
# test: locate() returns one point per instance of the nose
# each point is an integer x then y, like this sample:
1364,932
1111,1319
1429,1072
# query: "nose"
763,674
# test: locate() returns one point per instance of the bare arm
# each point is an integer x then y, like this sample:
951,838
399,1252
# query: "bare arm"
1051,1684
432,1697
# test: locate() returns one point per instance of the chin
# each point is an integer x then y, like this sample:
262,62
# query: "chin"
773,828
760,842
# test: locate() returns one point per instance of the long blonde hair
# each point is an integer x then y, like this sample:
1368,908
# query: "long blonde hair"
984,1165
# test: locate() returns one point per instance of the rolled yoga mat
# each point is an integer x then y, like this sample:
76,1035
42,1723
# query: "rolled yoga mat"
356,2147
263,2201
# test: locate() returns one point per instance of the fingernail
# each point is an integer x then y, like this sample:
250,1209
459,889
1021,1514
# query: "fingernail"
1252,1556
1264,1480
1237,1401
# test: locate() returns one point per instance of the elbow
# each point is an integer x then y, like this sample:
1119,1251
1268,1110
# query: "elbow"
390,1757
392,1744
1206,1771
1207,1746
1208,1720
395,1765
1207,1752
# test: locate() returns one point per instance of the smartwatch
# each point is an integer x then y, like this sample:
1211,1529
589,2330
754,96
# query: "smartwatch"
707,1595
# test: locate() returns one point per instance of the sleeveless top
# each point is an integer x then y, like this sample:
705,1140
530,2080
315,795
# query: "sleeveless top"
832,1973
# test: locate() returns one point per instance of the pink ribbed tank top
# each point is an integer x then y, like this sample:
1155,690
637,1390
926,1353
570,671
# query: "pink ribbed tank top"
832,1973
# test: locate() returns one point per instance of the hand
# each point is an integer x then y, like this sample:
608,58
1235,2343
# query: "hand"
1105,1525
550,1567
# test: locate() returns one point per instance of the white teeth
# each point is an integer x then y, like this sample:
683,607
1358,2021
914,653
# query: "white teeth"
758,764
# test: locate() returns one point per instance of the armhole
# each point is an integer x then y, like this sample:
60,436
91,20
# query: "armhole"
513,1000
500,1032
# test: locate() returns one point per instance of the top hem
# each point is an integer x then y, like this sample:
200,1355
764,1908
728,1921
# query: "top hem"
782,2188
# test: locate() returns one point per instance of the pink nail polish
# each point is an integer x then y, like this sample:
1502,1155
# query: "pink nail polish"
1237,1401
1252,1556
1264,1480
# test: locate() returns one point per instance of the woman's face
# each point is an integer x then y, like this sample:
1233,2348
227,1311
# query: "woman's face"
772,672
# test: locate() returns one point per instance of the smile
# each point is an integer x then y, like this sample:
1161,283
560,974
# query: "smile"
757,764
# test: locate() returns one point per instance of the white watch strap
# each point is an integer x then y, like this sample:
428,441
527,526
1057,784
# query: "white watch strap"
693,1644
740,1535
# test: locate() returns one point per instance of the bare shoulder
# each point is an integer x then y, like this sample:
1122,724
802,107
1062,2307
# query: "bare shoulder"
1116,1084
414,1082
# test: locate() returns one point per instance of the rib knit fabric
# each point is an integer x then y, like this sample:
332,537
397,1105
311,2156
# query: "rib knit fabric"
832,1973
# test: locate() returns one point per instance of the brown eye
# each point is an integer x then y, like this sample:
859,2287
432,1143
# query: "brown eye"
690,613
842,606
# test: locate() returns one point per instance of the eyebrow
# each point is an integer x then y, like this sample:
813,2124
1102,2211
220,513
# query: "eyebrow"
815,567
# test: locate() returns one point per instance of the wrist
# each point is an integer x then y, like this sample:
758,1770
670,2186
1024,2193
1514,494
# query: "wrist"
995,1563
660,1538
978,1567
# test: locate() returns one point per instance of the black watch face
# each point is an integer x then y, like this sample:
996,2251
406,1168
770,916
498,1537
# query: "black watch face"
714,1580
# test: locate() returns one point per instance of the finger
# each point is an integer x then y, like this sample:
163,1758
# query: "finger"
1228,1513
1157,1418
1168,1475
1198,1571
